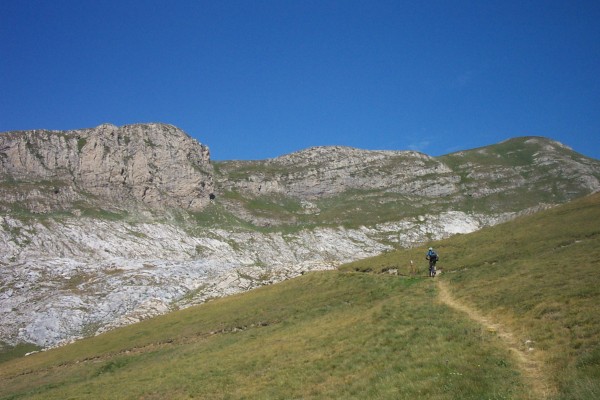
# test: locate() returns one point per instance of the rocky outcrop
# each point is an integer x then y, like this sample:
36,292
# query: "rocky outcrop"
327,171
153,164
510,176
69,278
107,226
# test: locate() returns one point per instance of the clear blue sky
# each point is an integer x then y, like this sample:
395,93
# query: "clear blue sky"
257,79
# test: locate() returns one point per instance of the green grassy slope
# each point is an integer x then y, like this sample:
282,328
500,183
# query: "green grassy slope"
538,175
354,335
538,276
324,335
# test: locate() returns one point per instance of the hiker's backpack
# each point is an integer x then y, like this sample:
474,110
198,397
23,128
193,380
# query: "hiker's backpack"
433,256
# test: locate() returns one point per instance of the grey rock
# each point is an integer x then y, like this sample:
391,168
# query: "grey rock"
326,171
155,164
104,227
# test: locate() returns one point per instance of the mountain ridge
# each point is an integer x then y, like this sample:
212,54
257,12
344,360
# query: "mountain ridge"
153,225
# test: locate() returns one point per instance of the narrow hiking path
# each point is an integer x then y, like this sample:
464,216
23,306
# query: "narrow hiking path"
529,366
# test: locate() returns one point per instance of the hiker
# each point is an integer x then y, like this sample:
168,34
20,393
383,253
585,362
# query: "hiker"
433,258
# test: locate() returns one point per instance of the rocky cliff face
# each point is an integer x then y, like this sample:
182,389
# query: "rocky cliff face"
65,278
327,171
107,226
154,164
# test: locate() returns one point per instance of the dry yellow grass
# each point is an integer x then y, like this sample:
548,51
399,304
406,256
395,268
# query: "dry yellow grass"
532,283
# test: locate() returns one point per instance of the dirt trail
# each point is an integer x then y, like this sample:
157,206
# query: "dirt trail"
531,368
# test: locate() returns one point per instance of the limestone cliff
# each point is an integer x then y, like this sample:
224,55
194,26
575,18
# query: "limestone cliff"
154,164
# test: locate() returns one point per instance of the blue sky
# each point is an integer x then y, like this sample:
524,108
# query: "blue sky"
259,79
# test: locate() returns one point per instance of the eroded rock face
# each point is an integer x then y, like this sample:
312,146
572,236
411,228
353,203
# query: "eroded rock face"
327,171
156,164
84,267
69,278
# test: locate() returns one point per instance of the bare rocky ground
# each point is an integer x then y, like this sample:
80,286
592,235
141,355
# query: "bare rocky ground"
67,279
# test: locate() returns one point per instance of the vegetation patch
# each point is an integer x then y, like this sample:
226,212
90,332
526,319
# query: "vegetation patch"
88,211
150,143
81,142
323,335
9,352
536,276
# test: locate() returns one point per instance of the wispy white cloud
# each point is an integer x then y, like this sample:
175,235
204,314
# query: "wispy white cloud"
420,145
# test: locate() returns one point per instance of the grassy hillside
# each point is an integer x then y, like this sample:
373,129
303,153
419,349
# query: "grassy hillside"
324,335
516,174
506,177
512,316
539,278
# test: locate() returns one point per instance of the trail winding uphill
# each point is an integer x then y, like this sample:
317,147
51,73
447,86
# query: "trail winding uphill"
525,356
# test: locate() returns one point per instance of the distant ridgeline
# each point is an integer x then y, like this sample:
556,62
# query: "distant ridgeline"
159,166
107,226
